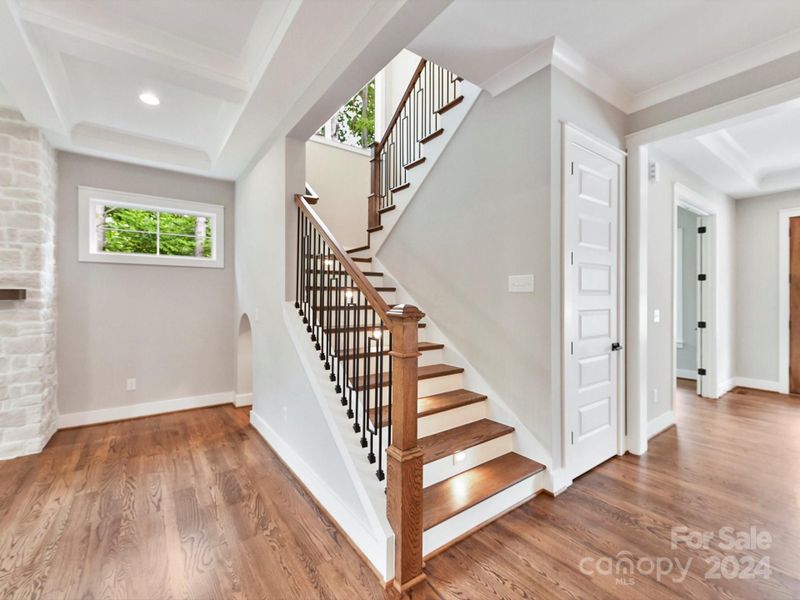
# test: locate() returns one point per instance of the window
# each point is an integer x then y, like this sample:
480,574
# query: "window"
354,124
119,227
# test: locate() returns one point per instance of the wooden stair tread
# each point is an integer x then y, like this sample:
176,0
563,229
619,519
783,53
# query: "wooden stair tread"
362,353
426,372
432,136
450,105
362,260
386,209
352,289
363,328
436,403
374,229
448,442
414,163
460,492
399,188
357,249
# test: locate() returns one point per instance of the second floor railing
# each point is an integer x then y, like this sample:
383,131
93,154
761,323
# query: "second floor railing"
370,350
415,121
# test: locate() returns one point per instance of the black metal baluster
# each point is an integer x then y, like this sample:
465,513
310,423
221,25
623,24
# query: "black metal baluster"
300,260
324,315
353,335
366,397
307,274
337,306
379,415
345,381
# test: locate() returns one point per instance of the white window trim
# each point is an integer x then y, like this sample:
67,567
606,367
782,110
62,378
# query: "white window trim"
88,197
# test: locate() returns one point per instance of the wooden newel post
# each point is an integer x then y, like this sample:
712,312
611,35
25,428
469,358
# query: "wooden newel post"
404,457
373,216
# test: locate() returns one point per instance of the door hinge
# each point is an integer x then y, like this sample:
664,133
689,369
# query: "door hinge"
701,371
572,168
701,229
572,348
701,324
701,277
572,437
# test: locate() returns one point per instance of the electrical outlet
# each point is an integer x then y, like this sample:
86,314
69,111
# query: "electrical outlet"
130,384
655,396
520,284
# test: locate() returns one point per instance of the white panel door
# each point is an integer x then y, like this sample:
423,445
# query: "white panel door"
592,336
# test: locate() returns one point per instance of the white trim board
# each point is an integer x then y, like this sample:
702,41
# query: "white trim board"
660,423
756,384
240,400
783,297
143,409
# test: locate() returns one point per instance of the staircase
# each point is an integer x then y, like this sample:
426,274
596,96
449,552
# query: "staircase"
449,468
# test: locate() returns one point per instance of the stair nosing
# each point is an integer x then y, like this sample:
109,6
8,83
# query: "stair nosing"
451,105
451,370
499,431
474,399
538,468
432,136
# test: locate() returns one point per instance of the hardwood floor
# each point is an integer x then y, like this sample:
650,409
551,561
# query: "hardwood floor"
196,505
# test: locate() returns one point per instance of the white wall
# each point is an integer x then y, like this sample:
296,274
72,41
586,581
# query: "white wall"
286,410
686,356
168,327
757,284
392,83
341,176
660,248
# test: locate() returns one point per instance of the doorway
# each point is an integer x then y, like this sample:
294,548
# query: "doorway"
594,175
244,364
694,290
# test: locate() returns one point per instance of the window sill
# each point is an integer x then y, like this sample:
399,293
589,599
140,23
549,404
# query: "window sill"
154,260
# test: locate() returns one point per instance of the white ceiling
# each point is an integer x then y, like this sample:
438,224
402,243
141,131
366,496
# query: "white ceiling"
636,52
750,156
228,73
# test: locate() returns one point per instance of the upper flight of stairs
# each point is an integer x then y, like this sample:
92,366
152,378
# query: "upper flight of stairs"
471,472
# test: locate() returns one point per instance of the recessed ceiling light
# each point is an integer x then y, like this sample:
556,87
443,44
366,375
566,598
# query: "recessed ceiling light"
149,98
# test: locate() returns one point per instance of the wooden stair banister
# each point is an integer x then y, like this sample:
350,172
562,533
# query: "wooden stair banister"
431,91
318,302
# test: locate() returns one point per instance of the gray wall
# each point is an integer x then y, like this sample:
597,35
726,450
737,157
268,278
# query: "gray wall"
757,283
686,357
490,209
169,327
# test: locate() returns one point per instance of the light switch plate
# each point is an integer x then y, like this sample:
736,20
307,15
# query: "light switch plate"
130,384
656,316
520,284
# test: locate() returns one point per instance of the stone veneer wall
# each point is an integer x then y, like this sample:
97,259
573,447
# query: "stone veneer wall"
28,410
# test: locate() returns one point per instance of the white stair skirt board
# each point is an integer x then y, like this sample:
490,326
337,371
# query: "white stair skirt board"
660,423
686,374
380,550
447,467
142,409
757,384
450,122
458,525
370,491
243,400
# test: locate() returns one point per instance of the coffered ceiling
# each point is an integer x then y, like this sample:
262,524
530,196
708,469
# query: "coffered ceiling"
226,72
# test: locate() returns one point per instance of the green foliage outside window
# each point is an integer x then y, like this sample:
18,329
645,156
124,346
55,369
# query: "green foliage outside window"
136,231
356,119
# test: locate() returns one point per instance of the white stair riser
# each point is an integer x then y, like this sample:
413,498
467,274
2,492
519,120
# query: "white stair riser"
427,387
458,525
446,467
449,419
428,357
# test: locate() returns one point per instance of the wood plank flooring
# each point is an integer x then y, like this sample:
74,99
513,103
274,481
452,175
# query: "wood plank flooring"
196,505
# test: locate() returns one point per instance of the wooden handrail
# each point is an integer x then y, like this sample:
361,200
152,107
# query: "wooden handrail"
374,298
400,105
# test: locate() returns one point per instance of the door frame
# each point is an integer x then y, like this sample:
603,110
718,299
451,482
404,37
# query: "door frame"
569,133
784,292
688,199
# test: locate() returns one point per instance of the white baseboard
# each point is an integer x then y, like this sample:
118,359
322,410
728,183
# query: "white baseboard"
726,386
686,374
240,400
758,384
377,549
144,409
660,423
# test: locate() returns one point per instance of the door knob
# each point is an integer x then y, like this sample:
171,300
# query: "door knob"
616,347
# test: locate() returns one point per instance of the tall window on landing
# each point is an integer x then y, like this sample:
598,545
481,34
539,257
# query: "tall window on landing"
354,123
